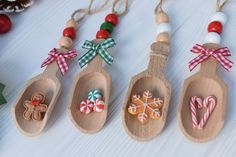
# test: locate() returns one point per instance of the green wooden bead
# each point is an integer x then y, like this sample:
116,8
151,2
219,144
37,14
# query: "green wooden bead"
107,26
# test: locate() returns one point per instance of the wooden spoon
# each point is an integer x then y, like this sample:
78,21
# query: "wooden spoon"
152,79
46,83
204,83
92,77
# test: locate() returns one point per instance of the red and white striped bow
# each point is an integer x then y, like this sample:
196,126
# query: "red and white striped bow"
219,54
60,58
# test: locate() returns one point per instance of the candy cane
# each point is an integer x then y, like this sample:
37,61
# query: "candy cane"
194,110
209,103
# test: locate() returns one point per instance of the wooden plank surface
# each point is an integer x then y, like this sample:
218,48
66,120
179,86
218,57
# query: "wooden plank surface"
37,30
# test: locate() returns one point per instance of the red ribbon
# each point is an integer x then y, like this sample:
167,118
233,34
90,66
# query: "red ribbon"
60,58
219,54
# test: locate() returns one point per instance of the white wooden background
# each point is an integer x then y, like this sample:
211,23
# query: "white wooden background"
38,29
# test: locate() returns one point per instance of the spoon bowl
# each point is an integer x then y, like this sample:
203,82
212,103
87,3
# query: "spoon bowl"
45,83
159,88
51,89
216,121
92,122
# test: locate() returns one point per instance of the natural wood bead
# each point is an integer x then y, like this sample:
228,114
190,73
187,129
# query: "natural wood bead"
66,42
162,17
163,37
71,23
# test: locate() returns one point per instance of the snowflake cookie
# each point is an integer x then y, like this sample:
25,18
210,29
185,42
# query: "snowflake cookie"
145,107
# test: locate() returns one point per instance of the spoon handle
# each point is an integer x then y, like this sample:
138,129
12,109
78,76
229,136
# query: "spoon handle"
51,70
158,57
95,64
209,66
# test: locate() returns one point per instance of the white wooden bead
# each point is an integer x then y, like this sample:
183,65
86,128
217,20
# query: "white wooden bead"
219,16
163,28
212,37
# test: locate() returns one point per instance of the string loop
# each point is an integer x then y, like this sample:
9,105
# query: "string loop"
219,5
159,7
114,6
80,14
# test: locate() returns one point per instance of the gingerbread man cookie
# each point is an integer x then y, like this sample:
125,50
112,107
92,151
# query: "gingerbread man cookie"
145,107
34,107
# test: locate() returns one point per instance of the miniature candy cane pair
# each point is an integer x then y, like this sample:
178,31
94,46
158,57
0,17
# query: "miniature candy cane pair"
196,102
93,103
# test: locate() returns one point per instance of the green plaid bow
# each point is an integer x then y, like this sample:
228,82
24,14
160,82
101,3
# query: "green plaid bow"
100,49
2,99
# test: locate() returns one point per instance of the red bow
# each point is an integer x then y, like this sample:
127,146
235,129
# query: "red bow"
60,58
219,54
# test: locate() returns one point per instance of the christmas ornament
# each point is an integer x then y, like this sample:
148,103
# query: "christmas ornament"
5,24
202,121
94,75
151,113
48,82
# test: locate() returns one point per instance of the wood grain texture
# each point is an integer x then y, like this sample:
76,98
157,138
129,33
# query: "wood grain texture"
204,83
153,80
91,78
37,30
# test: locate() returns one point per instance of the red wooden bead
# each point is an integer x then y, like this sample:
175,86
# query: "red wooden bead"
5,24
102,34
69,32
112,18
215,26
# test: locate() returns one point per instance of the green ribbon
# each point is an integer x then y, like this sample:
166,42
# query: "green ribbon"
2,99
95,49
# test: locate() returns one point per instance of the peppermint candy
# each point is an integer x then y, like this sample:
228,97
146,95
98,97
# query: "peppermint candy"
93,103
99,105
86,106
94,95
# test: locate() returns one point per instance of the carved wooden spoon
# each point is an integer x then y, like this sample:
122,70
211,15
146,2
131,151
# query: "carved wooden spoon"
204,83
46,83
152,79
92,77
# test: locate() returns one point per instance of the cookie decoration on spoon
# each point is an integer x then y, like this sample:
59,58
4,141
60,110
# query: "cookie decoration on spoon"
144,117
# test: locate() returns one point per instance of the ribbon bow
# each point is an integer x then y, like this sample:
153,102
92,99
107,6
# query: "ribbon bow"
2,99
95,49
60,58
219,54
